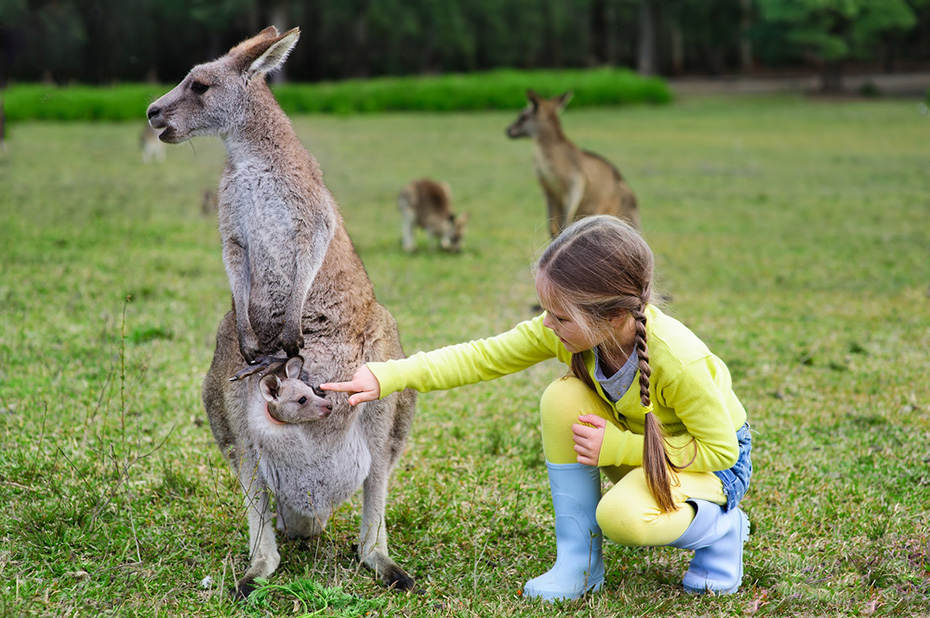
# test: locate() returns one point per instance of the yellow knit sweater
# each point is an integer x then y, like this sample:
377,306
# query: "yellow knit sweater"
690,388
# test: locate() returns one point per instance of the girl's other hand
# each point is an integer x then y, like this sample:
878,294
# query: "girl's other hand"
363,384
589,435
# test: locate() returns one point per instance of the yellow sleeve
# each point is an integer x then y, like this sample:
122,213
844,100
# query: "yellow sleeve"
525,345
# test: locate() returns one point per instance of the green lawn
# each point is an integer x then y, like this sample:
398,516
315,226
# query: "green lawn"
792,236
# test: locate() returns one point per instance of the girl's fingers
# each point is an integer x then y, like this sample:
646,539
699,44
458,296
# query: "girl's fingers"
340,387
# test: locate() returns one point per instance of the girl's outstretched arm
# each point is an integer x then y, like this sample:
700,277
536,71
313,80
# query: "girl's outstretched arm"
363,384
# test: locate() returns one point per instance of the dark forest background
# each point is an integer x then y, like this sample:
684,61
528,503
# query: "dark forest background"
107,41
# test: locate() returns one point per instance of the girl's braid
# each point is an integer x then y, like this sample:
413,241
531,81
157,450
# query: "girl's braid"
642,351
656,463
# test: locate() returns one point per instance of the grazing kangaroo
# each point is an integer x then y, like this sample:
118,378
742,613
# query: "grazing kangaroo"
292,268
575,182
428,204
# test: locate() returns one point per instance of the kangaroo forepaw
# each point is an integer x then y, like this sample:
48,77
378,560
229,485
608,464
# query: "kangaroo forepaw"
259,366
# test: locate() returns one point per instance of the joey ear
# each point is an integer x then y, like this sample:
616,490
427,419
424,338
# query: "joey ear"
270,386
447,188
268,55
463,218
293,366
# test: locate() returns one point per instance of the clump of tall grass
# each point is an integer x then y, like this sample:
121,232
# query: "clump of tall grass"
502,89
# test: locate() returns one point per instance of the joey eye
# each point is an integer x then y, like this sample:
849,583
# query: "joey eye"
302,400
199,87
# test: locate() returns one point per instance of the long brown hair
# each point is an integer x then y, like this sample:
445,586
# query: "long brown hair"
598,269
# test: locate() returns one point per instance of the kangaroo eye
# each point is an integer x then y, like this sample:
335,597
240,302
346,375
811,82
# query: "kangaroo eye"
302,400
199,87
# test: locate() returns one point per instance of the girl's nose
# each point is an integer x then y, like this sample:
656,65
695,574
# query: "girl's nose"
547,322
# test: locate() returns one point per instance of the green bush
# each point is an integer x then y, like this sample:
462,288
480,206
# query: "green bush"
503,89
48,102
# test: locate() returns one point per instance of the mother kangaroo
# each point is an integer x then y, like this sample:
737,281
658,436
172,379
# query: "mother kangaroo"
297,285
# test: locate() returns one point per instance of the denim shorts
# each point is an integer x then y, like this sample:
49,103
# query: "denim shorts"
736,479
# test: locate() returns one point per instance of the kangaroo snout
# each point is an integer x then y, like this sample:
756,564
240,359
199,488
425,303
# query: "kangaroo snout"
156,120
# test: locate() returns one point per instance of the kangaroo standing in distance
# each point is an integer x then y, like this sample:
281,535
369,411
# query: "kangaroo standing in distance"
152,148
428,204
297,280
575,182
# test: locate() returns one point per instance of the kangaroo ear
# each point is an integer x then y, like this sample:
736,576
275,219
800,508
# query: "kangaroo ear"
564,99
447,188
533,98
266,55
270,386
293,366
463,218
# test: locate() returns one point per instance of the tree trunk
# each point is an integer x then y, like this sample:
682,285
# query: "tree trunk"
831,77
646,64
745,43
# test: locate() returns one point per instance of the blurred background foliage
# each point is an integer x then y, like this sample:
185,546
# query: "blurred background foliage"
106,41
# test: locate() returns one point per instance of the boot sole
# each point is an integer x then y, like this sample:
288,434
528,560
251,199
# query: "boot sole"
550,596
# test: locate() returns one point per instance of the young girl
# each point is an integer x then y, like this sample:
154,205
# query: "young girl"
646,403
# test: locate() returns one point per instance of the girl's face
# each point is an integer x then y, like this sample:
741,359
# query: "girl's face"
574,336
616,333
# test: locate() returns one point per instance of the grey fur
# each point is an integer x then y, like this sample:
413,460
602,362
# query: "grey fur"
297,284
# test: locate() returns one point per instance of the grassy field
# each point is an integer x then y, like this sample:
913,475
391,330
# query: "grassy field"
792,236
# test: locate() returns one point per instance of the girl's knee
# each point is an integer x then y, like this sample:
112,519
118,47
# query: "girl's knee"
567,398
628,514
623,523
561,404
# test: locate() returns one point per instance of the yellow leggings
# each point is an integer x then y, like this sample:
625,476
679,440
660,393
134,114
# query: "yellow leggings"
627,512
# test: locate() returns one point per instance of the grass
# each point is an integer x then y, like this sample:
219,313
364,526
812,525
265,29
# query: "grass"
792,236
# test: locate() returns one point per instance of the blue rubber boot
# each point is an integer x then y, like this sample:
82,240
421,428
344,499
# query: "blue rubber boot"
717,538
579,565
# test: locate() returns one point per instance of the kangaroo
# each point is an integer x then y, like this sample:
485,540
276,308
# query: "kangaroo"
575,182
288,399
428,204
209,203
292,267
153,150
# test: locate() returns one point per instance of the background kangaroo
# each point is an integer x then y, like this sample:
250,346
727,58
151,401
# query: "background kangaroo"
153,150
575,182
292,268
428,204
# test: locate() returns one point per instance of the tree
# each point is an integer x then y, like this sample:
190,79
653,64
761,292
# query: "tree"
830,32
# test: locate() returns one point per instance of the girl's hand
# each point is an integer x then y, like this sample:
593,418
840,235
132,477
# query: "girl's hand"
364,384
589,435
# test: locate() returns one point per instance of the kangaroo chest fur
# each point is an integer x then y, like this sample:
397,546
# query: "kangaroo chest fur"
272,214
555,164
